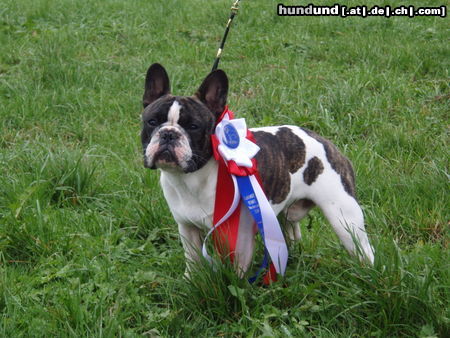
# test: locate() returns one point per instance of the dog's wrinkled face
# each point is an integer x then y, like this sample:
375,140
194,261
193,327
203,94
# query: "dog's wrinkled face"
176,130
176,134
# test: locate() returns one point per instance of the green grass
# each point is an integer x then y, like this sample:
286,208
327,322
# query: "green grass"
87,244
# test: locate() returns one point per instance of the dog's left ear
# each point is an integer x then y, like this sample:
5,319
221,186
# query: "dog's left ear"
157,84
213,91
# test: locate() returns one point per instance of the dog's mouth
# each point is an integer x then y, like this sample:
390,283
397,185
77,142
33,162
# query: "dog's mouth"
165,156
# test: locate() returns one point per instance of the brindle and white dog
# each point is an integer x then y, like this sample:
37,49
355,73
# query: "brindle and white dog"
299,169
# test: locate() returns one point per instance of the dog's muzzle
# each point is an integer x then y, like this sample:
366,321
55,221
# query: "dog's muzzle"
168,148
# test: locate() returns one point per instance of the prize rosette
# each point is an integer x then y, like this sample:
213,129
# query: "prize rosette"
235,149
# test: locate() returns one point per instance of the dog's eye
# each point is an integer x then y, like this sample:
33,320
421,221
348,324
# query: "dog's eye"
152,123
193,126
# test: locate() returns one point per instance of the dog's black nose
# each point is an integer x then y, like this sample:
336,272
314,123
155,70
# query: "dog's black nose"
168,135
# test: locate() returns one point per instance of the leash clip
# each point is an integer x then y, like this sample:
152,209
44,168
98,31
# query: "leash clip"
235,7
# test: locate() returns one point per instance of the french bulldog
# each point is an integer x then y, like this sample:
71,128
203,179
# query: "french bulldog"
299,169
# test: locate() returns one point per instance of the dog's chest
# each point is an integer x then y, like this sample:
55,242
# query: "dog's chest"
191,196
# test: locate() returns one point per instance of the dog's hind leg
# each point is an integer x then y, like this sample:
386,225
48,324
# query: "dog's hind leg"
346,217
294,214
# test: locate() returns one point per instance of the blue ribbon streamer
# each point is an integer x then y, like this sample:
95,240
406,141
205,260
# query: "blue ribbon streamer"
248,196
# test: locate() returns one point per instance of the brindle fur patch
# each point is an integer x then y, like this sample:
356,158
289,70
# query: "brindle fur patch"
280,155
305,203
206,120
313,170
338,162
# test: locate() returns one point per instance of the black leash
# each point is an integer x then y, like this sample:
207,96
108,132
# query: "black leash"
234,10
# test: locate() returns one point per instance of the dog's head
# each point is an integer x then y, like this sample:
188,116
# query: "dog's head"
176,130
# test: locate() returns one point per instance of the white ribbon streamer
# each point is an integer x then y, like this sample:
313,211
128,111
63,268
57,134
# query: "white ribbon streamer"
274,239
234,205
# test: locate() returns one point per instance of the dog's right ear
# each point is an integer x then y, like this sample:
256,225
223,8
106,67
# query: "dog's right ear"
213,91
156,84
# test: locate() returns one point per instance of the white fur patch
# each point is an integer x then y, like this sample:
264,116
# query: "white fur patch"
174,113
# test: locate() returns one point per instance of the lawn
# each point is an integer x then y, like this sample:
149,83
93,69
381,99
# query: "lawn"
87,244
